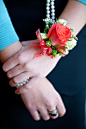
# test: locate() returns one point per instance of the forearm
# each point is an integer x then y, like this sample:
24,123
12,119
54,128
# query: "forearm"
75,14
9,43
9,51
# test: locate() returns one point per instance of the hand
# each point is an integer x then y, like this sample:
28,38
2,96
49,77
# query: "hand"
22,65
43,98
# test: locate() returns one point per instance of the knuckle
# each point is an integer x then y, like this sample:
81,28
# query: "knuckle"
30,106
27,87
57,97
49,105
39,107
19,57
26,66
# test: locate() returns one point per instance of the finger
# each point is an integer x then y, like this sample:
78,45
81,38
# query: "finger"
19,78
15,71
60,108
51,107
33,81
50,110
9,64
35,114
53,116
44,113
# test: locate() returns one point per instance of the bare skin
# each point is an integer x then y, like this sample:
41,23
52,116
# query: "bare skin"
43,98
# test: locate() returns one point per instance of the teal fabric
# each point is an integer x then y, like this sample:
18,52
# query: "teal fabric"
83,1
8,35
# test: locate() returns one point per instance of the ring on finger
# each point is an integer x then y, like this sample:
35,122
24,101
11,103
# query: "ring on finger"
53,113
22,83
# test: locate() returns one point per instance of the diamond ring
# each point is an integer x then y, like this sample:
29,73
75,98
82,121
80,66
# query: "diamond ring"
53,113
22,83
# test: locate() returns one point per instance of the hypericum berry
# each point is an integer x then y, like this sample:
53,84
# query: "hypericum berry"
54,52
48,43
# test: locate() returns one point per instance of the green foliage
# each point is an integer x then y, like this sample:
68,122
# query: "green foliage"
54,52
48,43
46,29
53,48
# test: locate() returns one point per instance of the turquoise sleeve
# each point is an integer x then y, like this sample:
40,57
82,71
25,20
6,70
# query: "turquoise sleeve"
8,34
82,1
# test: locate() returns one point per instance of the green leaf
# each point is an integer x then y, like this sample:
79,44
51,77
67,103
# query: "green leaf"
44,36
64,47
46,29
53,48
60,54
57,46
48,43
51,54
54,52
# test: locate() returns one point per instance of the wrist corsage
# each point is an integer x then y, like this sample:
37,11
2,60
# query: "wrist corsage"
56,39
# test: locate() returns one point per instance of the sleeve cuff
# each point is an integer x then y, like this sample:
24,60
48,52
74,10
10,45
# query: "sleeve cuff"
8,35
82,1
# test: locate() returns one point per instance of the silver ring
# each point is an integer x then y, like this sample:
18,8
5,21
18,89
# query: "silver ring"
22,83
53,113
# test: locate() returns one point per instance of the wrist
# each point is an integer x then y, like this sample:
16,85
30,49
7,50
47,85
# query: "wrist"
9,51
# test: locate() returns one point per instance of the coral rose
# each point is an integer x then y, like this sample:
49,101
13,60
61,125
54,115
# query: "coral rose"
59,34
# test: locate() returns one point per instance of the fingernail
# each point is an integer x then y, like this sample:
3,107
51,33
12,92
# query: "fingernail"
16,92
4,69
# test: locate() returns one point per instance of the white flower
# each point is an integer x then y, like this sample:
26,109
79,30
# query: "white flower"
47,20
71,44
66,52
62,21
44,36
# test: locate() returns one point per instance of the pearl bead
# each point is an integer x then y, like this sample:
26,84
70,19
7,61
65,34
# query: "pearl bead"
47,8
52,7
27,80
24,82
47,11
52,3
48,3
53,10
52,14
47,15
53,17
48,0
52,0
21,84
18,84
